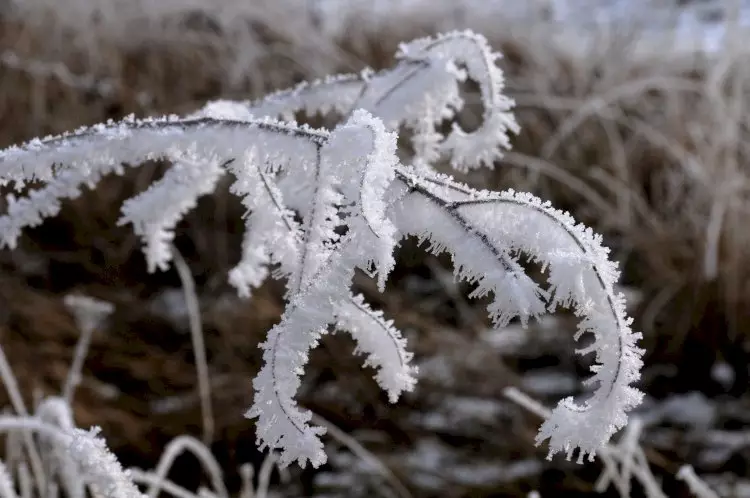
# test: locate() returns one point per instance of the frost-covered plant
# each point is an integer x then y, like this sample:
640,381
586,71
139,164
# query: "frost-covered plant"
420,93
625,461
63,460
321,204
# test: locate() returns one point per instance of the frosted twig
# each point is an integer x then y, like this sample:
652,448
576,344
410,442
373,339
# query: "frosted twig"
365,455
697,486
89,314
16,401
174,449
97,464
199,346
527,402
264,476
150,479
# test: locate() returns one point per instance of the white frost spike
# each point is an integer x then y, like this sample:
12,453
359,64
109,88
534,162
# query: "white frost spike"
57,412
363,151
105,474
471,51
417,94
224,109
420,92
383,344
476,259
312,97
272,235
320,221
86,155
45,202
365,180
580,275
281,424
155,213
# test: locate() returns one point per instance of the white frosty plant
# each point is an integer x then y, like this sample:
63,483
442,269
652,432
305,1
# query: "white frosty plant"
321,204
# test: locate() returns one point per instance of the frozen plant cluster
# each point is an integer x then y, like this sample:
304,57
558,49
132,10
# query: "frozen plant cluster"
323,203
47,455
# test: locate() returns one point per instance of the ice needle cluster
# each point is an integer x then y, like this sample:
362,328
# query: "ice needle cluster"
323,203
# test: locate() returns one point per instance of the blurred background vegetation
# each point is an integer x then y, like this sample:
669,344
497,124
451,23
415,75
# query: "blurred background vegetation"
637,126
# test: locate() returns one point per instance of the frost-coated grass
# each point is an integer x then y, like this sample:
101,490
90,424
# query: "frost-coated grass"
323,203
